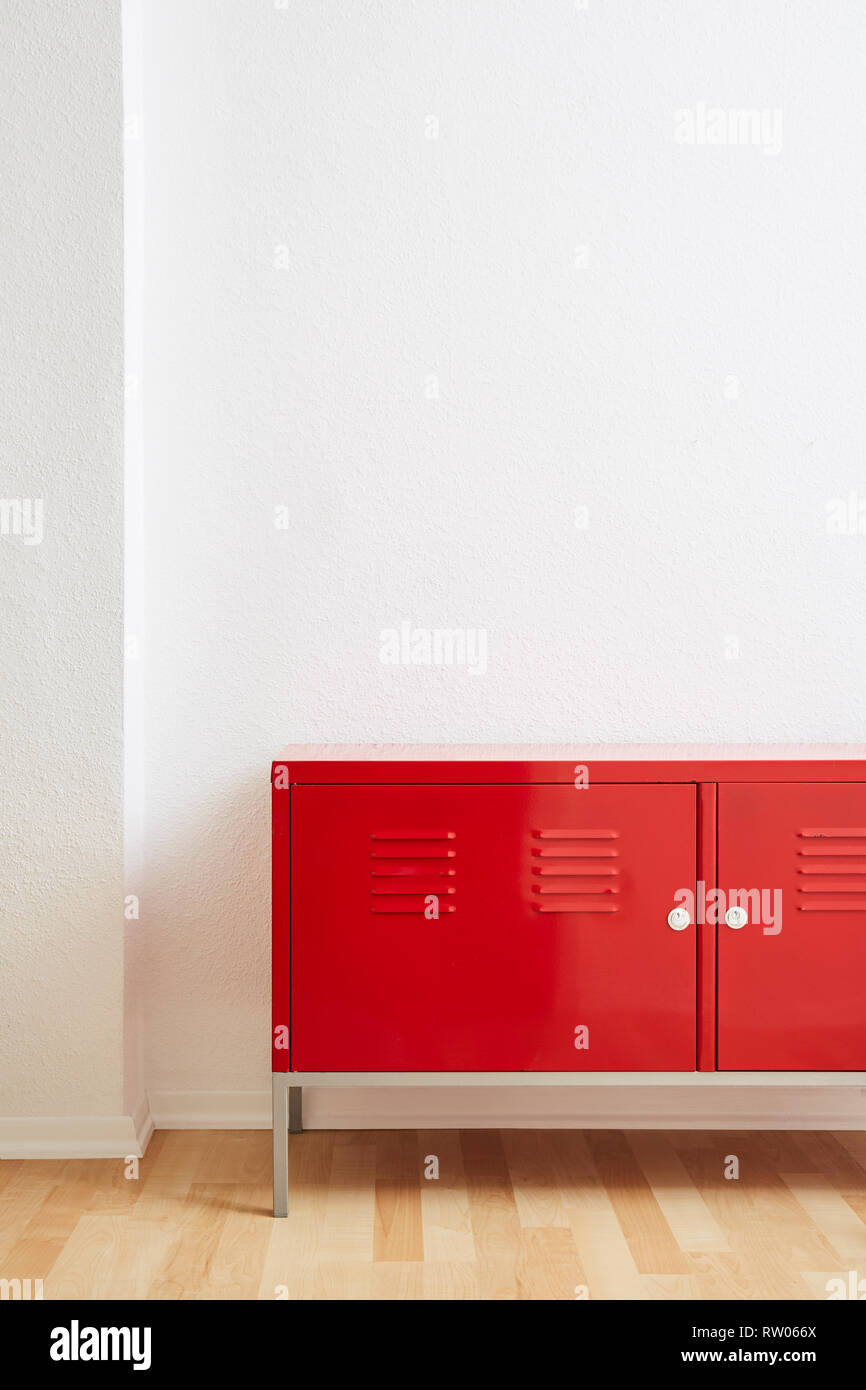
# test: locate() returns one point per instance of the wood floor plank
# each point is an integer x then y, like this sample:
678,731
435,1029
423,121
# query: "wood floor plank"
348,1229
533,1181
90,1185
290,1267
818,1281
398,1280
188,1259
602,1248
21,1201
109,1256
854,1143
350,1280
690,1138
770,1235
235,1265
177,1153
498,1280
779,1150
9,1169
672,1288
446,1281
35,1172
445,1215
687,1215
492,1208
242,1156
831,1214
548,1265
651,1241
834,1160
397,1232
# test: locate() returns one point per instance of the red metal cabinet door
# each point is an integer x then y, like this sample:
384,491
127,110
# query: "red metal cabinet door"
791,986
552,918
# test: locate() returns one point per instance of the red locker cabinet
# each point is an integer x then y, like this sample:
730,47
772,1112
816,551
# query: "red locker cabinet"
486,915
792,974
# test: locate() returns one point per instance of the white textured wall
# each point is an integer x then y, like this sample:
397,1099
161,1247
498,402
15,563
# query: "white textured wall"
693,377
61,410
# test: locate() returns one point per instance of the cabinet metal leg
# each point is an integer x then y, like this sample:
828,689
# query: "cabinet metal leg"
281,1144
296,1114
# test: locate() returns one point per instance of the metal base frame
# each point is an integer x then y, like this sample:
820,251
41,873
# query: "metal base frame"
288,1092
288,1119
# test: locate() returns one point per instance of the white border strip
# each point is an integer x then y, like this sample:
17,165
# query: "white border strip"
70,1136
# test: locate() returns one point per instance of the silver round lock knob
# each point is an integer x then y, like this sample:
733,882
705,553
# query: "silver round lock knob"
678,918
736,917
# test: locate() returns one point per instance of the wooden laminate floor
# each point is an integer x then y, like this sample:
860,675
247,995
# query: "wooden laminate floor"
513,1214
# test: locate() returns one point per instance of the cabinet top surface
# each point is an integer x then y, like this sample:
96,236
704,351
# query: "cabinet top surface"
401,762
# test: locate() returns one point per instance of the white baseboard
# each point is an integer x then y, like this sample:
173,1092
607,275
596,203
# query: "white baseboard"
142,1123
211,1109
72,1136
465,1107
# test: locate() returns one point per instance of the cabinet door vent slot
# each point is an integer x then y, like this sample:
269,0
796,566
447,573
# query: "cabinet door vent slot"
581,853
414,835
849,870
577,888
579,834
834,833
556,871
843,870
575,907
833,851
583,884
408,870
